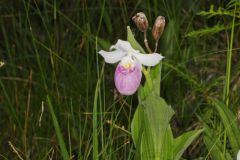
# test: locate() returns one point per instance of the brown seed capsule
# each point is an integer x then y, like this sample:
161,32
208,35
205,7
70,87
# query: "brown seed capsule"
141,21
158,27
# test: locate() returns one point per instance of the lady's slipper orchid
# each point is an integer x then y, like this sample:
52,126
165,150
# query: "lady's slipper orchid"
128,73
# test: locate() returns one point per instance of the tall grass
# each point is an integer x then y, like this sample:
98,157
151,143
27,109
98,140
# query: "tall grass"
57,97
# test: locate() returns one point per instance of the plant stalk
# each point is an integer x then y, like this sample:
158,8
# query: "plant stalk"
226,95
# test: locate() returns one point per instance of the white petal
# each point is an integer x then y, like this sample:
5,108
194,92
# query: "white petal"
113,56
238,155
148,59
124,46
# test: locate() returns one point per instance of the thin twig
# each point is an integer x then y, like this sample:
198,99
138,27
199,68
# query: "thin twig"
118,127
40,118
27,110
15,150
146,42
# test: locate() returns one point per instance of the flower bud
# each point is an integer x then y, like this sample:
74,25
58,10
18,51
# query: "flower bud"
158,27
141,21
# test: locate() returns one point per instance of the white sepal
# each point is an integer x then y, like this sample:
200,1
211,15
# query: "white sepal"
238,155
112,56
124,46
148,59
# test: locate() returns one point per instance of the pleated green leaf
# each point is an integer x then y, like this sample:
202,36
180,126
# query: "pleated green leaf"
167,150
142,136
159,115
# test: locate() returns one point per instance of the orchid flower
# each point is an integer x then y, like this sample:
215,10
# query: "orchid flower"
128,73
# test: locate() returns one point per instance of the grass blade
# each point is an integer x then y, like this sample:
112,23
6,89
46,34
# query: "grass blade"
229,122
182,142
62,145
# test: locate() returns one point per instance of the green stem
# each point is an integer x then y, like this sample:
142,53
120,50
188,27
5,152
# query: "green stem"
160,77
228,73
148,77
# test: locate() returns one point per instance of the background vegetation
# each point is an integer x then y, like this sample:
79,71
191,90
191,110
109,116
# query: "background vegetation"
53,77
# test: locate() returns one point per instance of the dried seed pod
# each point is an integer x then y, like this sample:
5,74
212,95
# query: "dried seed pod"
158,27
141,21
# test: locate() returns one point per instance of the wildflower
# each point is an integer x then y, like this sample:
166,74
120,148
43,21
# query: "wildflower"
158,27
141,21
128,73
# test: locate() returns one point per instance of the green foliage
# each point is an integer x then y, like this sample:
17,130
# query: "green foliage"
151,130
219,12
214,145
229,11
152,134
229,121
57,41
209,30
150,127
212,137
227,133
182,142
